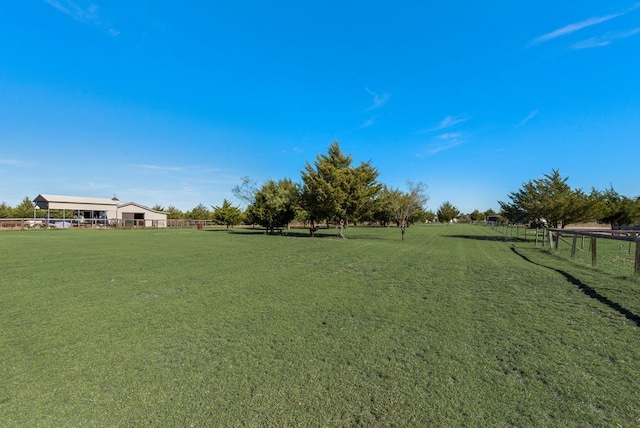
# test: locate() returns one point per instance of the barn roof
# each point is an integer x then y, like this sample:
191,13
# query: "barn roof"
61,201
126,204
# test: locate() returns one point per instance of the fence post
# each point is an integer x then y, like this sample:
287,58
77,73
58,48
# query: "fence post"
573,246
593,251
637,270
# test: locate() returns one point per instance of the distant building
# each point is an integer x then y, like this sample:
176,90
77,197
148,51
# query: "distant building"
78,210
133,214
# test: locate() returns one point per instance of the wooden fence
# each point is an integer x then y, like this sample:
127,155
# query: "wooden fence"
556,236
582,244
69,223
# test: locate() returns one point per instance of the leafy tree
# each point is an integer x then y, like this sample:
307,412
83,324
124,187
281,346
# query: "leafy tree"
157,207
5,210
464,218
361,192
246,191
227,214
489,212
405,206
618,210
447,212
548,200
476,215
381,207
249,216
332,189
200,212
429,216
581,207
513,213
24,209
174,213
274,204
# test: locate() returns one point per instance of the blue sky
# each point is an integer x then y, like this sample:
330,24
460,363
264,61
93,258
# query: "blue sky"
171,103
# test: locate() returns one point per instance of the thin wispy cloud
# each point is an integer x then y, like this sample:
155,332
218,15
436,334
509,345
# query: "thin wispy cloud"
572,28
367,123
445,123
449,136
158,168
440,148
11,162
607,39
577,26
86,15
527,119
378,99
15,163
443,142
448,122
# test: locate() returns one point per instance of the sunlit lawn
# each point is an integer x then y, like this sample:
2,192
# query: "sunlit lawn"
452,327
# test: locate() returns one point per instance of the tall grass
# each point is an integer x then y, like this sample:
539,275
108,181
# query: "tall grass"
451,327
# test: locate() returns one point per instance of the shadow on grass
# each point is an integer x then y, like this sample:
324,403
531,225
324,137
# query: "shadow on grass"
503,238
285,233
294,233
586,290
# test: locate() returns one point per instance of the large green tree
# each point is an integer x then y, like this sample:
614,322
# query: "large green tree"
5,210
174,213
549,200
274,204
447,212
476,215
617,210
332,189
227,214
382,210
24,209
199,212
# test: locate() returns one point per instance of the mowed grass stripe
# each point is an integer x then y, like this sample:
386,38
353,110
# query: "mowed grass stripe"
176,327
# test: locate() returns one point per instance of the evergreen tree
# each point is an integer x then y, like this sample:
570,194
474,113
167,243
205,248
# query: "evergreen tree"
332,189
447,212
227,214
23,210
174,213
275,204
199,212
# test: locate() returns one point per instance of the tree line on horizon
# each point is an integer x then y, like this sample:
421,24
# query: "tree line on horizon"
333,190
550,201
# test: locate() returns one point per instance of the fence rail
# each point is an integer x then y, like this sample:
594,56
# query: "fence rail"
604,248
69,223
556,236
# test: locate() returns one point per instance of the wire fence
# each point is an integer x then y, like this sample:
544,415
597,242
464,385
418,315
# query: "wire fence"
613,251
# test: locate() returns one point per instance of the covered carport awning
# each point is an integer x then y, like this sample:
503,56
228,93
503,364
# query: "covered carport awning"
75,203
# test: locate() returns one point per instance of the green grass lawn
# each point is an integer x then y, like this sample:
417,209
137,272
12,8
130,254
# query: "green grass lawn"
452,327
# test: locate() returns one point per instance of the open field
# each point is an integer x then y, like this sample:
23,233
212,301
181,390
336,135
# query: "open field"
455,326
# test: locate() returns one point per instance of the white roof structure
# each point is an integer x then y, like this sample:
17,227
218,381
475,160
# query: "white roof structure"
143,207
60,202
130,213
